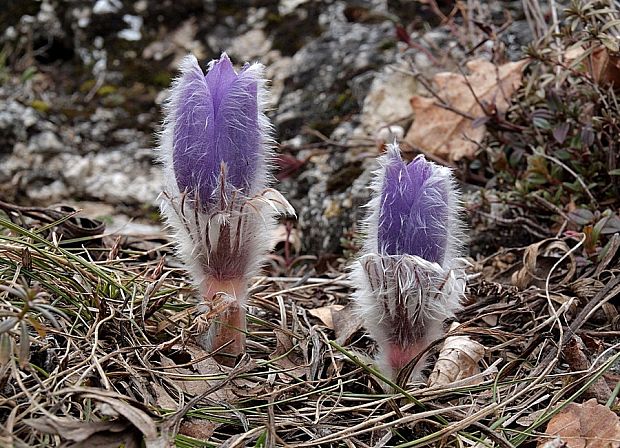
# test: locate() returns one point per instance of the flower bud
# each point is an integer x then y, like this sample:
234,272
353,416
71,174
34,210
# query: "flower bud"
215,150
409,278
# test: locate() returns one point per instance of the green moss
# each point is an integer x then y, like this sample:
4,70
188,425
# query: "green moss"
161,79
40,106
87,86
387,44
106,90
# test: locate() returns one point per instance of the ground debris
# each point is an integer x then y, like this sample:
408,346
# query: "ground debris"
114,334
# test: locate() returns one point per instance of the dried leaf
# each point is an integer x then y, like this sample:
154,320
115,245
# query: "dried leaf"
448,134
137,417
76,430
457,360
584,425
284,233
163,398
537,263
324,314
203,365
575,354
198,428
346,323
603,65
285,357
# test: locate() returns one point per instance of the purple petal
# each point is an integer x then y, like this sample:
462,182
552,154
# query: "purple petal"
215,125
193,160
414,210
220,77
237,137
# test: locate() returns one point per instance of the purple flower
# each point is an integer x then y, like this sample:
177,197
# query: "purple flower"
216,127
414,209
215,149
409,278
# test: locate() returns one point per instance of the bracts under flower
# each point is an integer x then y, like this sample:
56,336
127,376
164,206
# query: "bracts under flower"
409,278
216,149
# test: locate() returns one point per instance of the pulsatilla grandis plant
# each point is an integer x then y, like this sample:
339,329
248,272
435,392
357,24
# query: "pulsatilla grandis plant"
409,277
215,150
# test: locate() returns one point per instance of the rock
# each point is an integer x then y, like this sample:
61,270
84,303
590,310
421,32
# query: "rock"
133,32
46,142
107,6
388,98
103,68
319,89
15,121
249,46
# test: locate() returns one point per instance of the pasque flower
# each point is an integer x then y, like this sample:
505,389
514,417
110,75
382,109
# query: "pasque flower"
215,150
409,277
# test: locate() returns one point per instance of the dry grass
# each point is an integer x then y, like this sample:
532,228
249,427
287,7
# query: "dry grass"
95,347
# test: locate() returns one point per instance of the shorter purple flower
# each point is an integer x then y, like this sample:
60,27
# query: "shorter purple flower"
409,277
414,209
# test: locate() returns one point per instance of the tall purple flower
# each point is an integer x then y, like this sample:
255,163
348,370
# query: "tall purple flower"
215,149
409,278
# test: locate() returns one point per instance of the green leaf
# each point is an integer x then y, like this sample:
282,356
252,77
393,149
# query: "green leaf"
581,216
541,123
28,73
610,42
611,226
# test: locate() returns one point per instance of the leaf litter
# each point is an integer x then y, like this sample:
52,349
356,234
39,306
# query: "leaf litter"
97,369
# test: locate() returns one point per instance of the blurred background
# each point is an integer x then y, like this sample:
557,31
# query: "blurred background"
82,84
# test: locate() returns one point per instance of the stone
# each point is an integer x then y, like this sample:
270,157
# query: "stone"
388,98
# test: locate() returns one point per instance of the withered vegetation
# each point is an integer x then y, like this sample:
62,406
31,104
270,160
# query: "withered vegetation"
95,347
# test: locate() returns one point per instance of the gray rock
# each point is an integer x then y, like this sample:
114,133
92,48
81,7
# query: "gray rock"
320,88
330,62
46,142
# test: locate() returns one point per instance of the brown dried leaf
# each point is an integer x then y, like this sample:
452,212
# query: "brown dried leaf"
195,384
450,135
198,428
286,358
202,365
324,314
586,425
457,360
137,417
346,323
163,398
603,65
282,234
76,430
537,264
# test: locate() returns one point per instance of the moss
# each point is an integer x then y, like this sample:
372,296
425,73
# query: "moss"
40,106
106,90
161,79
387,44
87,86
